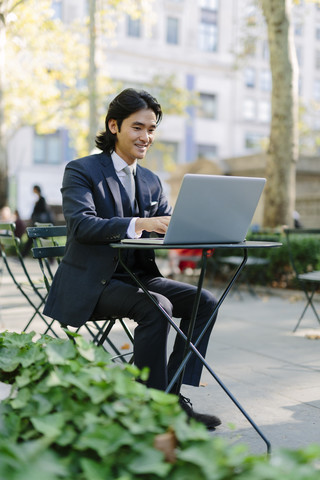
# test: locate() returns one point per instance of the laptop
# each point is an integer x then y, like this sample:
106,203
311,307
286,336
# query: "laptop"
211,209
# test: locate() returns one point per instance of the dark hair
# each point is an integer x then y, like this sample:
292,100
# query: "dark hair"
122,106
37,188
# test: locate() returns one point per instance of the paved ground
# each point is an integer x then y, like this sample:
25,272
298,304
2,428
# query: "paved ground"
273,373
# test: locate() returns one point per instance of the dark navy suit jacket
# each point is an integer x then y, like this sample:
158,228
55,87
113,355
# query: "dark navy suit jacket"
94,212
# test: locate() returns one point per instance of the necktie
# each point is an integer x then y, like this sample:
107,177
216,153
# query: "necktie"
129,184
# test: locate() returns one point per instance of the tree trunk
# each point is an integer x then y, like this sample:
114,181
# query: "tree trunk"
93,123
282,154
3,152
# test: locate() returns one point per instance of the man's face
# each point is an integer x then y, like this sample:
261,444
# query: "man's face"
135,136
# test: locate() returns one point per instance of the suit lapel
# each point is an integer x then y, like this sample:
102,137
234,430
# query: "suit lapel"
112,180
143,191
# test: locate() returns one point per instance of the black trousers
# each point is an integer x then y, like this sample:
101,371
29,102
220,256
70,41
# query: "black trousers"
123,298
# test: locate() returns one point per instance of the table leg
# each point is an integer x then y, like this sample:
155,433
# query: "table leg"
192,347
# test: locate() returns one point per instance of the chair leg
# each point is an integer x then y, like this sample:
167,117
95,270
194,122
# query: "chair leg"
99,342
126,329
309,302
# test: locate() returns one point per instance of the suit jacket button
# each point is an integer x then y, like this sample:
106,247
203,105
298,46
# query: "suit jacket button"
103,281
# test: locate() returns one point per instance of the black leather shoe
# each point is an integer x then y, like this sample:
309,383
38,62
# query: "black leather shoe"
210,421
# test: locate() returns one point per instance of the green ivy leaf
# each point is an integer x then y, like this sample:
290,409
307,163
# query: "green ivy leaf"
104,440
10,422
56,379
9,360
67,437
85,349
60,353
201,454
94,470
14,339
150,461
163,398
22,399
50,425
23,379
30,356
43,404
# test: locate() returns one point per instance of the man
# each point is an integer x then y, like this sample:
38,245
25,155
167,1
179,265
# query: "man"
41,213
99,211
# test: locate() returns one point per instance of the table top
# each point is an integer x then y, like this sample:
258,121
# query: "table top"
207,246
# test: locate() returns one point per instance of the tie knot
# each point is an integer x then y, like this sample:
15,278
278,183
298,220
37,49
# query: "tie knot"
128,170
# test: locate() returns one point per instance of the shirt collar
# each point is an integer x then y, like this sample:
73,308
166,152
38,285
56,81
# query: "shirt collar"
119,164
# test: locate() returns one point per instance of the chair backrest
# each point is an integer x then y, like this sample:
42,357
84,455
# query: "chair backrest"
49,243
303,249
8,238
10,245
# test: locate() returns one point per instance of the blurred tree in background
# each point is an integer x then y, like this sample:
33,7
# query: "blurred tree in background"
54,75
282,153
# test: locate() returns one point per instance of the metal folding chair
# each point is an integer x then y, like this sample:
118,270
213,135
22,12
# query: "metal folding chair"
49,243
32,289
308,278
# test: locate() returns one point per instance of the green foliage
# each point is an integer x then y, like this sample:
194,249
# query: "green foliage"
73,414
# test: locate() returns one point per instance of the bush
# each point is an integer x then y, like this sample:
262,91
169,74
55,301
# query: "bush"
278,272
72,414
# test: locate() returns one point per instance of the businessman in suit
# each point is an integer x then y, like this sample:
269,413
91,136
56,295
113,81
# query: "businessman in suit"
102,204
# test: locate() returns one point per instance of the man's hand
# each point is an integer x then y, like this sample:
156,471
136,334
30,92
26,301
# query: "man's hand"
152,224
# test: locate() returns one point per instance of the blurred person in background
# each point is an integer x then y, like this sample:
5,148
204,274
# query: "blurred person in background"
41,213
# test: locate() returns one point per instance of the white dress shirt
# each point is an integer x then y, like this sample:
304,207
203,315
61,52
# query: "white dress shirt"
119,164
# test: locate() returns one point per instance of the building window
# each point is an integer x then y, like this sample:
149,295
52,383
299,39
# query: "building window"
208,152
208,30
264,111
265,50
133,27
249,109
316,90
208,106
208,37
48,149
52,149
209,4
298,29
265,81
300,85
56,5
318,33
250,77
172,31
253,141
317,59
299,55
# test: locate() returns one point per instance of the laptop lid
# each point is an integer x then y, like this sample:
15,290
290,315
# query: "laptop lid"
214,209
210,209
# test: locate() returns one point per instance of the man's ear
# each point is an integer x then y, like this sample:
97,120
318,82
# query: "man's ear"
112,124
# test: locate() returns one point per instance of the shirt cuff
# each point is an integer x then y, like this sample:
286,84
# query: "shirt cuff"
131,232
